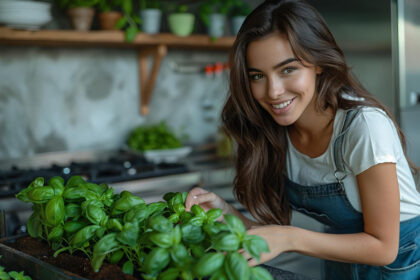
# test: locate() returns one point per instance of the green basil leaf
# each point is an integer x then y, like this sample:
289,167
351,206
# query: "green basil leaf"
115,256
75,193
197,250
167,196
179,208
137,214
156,260
226,242
176,234
184,197
107,244
219,275
156,208
213,214
129,234
34,225
93,210
198,211
185,217
40,195
73,210
236,266
259,273
208,264
128,267
55,211
125,203
179,253
74,181
192,234
114,224
71,227
97,261
255,245
197,221
83,235
160,224
57,183
174,218
235,225
56,233
161,239
169,274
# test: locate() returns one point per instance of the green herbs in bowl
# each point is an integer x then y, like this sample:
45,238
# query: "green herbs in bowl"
153,137
157,143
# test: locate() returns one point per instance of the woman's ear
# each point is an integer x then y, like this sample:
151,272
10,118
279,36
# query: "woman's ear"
318,70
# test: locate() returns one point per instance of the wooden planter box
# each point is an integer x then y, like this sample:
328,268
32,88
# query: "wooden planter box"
16,260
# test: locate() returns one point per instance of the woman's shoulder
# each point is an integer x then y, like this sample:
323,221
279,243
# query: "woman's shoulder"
366,116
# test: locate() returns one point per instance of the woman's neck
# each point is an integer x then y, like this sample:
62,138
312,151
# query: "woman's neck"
311,134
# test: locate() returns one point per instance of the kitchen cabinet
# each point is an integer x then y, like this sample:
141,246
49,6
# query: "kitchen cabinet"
147,45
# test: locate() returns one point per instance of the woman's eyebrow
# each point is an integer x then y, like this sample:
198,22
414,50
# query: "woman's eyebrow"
284,62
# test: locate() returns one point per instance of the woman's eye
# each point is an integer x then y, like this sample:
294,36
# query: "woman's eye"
288,70
255,77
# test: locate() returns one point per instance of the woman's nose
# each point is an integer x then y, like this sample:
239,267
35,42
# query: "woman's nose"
275,88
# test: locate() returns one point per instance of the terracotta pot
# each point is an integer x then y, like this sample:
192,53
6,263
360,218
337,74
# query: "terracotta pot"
107,20
81,17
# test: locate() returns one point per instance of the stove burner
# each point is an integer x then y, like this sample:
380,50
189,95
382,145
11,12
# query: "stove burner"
123,167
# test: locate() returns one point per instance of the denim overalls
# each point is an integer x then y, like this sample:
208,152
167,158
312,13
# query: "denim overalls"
329,205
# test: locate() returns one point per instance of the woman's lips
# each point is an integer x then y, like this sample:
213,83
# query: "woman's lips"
282,107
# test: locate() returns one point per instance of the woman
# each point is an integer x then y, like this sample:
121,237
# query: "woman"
311,138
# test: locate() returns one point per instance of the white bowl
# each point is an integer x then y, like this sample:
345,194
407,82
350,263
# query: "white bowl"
167,156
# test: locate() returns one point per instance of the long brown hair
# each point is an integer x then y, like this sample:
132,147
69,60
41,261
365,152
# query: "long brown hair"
261,143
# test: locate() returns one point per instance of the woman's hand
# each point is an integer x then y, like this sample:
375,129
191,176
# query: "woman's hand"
207,200
277,238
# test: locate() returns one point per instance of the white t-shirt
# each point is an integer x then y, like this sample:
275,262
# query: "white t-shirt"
371,139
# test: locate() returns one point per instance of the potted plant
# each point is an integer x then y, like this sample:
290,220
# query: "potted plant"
81,12
108,13
238,12
181,22
151,16
129,22
213,13
157,240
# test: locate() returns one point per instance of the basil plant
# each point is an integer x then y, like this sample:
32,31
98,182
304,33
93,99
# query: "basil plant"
159,240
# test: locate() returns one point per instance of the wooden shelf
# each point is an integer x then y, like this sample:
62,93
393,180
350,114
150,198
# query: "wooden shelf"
73,38
147,45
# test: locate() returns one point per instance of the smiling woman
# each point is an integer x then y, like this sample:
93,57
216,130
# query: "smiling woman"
279,81
311,138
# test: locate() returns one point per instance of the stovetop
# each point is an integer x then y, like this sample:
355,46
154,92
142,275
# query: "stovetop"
118,168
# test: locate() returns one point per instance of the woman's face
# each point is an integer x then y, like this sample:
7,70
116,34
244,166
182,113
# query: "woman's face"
280,83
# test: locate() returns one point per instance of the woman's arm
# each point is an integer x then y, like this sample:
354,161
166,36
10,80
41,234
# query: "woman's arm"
377,245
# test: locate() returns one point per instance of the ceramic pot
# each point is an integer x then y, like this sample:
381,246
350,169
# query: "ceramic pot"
151,20
217,24
181,24
107,20
81,18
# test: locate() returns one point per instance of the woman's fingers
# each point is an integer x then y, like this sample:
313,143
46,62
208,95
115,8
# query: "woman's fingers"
192,197
251,260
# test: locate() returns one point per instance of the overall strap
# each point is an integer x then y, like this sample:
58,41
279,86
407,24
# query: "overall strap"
338,144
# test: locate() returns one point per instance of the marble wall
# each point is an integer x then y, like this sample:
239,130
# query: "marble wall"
58,99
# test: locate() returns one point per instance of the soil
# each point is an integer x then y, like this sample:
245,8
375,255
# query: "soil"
77,263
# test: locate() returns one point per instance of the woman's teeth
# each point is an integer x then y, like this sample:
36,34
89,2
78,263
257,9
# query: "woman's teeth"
281,105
